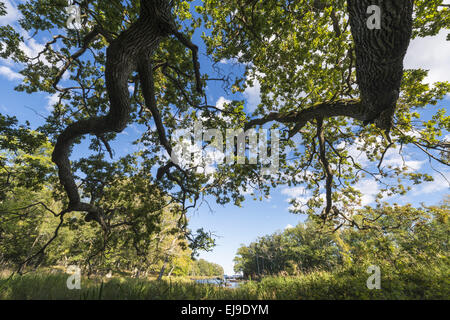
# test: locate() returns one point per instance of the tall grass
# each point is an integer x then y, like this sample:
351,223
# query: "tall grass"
416,283
53,287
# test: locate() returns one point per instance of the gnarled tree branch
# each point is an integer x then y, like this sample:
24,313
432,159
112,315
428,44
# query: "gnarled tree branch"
123,56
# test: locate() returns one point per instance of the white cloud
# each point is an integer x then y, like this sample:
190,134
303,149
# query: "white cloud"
136,129
253,94
289,226
299,203
192,155
221,102
247,192
439,184
413,165
355,150
369,189
299,194
447,137
431,53
32,48
12,13
394,159
358,152
232,60
294,192
29,46
52,100
10,74
219,105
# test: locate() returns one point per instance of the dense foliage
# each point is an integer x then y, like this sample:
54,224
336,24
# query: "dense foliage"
409,245
297,67
147,242
202,267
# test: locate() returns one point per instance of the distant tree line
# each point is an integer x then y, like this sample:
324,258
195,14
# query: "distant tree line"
204,268
395,238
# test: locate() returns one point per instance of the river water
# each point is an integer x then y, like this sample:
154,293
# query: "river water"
219,282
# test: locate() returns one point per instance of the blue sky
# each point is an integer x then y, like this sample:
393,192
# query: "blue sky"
235,226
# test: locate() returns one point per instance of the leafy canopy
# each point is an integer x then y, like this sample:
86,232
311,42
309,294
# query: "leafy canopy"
296,66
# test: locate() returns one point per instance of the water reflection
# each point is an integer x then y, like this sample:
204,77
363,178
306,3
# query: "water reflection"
219,282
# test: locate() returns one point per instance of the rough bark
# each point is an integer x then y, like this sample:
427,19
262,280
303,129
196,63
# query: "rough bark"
380,54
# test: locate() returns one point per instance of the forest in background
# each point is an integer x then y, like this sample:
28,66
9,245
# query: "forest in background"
410,246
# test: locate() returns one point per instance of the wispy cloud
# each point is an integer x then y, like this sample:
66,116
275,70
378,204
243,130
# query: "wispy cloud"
299,194
439,184
294,192
252,94
430,53
249,191
369,189
29,46
52,100
10,74
12,13
221,102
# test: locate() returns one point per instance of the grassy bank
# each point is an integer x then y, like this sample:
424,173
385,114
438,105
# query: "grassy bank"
418,283
49,287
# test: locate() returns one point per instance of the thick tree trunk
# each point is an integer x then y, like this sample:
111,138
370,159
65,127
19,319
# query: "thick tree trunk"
380,54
